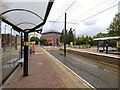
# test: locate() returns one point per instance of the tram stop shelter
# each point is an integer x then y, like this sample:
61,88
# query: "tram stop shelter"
107,43
25,16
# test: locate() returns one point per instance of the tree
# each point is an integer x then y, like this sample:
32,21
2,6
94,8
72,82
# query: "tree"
100,35
36,39
62,36
78,41
70,36
114,28
43,41
84,40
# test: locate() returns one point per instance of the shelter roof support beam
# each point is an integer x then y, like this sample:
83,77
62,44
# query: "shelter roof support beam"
14,26
45,18
20,10
32,30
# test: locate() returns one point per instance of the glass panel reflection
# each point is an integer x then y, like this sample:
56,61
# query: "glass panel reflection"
10,49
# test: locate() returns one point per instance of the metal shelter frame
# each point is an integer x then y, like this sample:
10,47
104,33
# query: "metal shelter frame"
27,31
105,39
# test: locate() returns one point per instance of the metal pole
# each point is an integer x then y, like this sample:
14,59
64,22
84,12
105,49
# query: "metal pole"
21,43
11,39
74,37
106,46
25,69
65,32
97,46
5,29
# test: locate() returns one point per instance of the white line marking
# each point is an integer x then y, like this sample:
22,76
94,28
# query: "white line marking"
88,64
69,69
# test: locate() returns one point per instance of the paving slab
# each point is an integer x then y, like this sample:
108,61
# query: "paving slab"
93,51
44,72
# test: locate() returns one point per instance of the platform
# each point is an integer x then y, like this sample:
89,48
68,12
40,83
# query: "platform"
45,72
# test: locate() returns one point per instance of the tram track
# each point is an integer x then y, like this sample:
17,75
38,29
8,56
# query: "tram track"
99,80
81,69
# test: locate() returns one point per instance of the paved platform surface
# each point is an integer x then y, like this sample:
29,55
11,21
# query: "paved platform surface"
94,51
44,73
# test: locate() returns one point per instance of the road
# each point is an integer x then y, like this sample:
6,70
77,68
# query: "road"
97,74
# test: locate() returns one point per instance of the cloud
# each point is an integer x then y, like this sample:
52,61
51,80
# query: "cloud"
91,31
90,22
80,11
54,26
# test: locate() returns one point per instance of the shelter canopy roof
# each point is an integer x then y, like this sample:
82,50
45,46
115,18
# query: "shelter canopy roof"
26,14
107,38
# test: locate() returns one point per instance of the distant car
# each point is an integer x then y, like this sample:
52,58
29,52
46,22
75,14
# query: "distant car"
109,49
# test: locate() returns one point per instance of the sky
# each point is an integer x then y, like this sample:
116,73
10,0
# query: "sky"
79,10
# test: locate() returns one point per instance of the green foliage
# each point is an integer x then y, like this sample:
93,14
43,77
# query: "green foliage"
62,36
36,39
84,40
100,35
114,28
43,41
69,36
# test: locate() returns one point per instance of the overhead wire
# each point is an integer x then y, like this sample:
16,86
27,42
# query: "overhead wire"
96,14
88,10
65,10
64,22
83,13
77,16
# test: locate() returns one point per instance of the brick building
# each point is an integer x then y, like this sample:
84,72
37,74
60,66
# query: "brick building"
52,37
7,39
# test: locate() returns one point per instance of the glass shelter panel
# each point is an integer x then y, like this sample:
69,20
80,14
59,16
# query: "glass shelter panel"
10,46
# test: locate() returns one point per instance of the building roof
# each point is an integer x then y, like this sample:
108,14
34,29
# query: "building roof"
51,31
108,38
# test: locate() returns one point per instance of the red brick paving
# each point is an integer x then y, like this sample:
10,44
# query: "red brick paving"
41,75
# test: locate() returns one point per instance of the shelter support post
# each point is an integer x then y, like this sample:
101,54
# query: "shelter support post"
97,46
21,44
106,46
25,69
